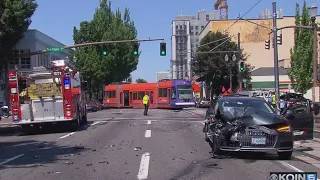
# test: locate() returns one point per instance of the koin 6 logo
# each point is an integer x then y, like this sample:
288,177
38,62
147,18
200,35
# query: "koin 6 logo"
293,176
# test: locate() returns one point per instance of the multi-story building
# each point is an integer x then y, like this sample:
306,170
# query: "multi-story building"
163,75
185,39
33,41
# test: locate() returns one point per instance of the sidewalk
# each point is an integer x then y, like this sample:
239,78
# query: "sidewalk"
308,151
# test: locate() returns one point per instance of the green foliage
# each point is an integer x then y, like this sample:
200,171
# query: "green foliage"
301,69
213,68
106,25
140,80
15,18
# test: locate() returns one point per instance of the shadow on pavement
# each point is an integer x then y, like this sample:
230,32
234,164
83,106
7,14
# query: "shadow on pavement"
45,129
36,153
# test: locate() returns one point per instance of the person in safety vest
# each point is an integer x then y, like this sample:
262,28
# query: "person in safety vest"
274,101
146,104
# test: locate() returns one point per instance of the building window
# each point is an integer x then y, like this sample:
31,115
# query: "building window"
25,62
180,26
15,59
207,19
197,33
191,27
197,27
18,58
191,33
177,27
207,15
202,27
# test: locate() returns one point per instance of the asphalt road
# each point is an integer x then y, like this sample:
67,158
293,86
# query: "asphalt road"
124,144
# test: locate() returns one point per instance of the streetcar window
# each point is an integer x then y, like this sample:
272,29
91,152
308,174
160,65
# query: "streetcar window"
135,96
173,95
113,94
164,91
160,92
140,95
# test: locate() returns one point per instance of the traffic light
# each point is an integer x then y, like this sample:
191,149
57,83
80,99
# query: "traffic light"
279,39
135,49
163,49
104,50
267,44
241,65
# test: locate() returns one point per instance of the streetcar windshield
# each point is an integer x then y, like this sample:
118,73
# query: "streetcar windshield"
185,91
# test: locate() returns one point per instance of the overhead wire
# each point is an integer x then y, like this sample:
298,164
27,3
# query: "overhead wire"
239,18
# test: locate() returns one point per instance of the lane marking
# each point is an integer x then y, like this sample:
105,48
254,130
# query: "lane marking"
67,135
148,122
156,120
147,134
11,159
95,123
291,167
144,166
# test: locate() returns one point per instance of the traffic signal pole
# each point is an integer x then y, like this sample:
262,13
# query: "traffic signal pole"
239,53
275,51
91,44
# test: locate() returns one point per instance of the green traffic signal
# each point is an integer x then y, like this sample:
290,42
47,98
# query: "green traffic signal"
135,49
163,49
241,66
104,53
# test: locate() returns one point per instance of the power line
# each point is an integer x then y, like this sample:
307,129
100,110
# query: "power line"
221,44
208,43
243,15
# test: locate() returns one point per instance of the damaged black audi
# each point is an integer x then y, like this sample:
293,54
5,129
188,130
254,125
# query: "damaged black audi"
248,124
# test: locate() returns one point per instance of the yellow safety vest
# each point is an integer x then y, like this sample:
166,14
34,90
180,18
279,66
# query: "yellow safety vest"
273,99
145,99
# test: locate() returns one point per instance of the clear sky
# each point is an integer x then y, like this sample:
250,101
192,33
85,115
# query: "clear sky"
152,18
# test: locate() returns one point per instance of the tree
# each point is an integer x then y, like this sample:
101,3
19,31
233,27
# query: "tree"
301,54
140,80
15,18
119,62
213,68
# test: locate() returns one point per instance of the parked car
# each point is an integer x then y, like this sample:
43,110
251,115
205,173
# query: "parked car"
92,106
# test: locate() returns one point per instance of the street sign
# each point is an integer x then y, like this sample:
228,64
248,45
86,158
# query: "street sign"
55,49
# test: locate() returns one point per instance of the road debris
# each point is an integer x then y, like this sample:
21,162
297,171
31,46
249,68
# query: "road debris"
67,162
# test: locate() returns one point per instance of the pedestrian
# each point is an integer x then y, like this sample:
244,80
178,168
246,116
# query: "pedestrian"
146,104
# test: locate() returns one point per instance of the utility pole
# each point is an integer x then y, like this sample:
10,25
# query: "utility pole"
315,58
275,49
239,72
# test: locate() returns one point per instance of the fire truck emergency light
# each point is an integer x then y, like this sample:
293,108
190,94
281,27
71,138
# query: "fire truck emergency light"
11,73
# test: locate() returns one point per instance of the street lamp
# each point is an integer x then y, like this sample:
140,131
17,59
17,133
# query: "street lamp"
312,11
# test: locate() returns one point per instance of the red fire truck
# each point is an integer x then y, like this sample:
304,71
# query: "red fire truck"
46,96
